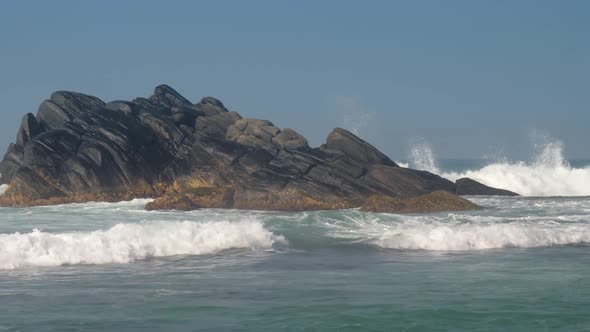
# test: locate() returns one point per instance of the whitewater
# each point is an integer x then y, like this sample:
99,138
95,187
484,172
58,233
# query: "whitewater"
107,233
548,173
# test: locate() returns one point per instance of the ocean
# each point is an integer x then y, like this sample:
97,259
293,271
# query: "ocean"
520,264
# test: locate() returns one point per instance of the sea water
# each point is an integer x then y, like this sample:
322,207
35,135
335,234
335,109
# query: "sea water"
520,264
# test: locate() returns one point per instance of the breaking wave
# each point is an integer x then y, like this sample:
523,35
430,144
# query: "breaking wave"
125,243
547,174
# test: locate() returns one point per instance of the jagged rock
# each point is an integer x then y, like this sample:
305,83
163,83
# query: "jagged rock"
165,95
437,201
122,106
467,186
192,155
29,128
13,160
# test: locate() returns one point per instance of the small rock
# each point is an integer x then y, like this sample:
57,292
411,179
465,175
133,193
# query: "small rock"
437,201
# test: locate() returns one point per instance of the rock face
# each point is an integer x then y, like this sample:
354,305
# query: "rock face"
467,186
437,201
78,148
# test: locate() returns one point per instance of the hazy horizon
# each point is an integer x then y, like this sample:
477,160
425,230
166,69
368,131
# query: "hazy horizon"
471,79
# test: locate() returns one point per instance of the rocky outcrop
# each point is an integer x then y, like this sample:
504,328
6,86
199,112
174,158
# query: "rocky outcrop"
467,186
78,148
437,201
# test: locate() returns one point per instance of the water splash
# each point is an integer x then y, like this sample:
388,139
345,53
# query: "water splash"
422,156
548,173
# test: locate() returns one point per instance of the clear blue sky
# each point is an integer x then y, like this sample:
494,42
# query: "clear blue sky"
471,77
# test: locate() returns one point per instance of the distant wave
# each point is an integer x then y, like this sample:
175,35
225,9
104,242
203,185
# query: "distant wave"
124,243
443,236
455,232
548,174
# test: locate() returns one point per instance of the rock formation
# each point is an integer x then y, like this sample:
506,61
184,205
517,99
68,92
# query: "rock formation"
78,148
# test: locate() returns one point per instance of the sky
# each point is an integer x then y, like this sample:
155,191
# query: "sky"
472,78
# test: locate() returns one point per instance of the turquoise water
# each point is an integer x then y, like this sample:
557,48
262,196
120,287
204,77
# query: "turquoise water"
522,264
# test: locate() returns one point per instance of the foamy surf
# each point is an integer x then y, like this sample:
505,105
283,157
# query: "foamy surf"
125,243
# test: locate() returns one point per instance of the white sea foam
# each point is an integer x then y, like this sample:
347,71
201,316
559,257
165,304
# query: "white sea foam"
548,174
124,243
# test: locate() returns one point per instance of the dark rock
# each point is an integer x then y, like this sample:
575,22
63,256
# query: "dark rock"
212,101
12,161
27,186
29,128
467,186
165,95
437,201
186,115
50,116
192,155
74,103
216,125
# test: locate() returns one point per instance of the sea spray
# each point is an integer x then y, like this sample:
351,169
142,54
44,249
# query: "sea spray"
422,156
125,243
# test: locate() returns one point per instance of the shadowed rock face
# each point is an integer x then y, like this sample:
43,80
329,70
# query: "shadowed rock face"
467,186
78,148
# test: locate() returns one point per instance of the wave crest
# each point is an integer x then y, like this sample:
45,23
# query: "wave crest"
125,243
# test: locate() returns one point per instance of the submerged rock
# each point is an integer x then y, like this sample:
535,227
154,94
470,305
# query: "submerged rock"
78,148
178,202
437,201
